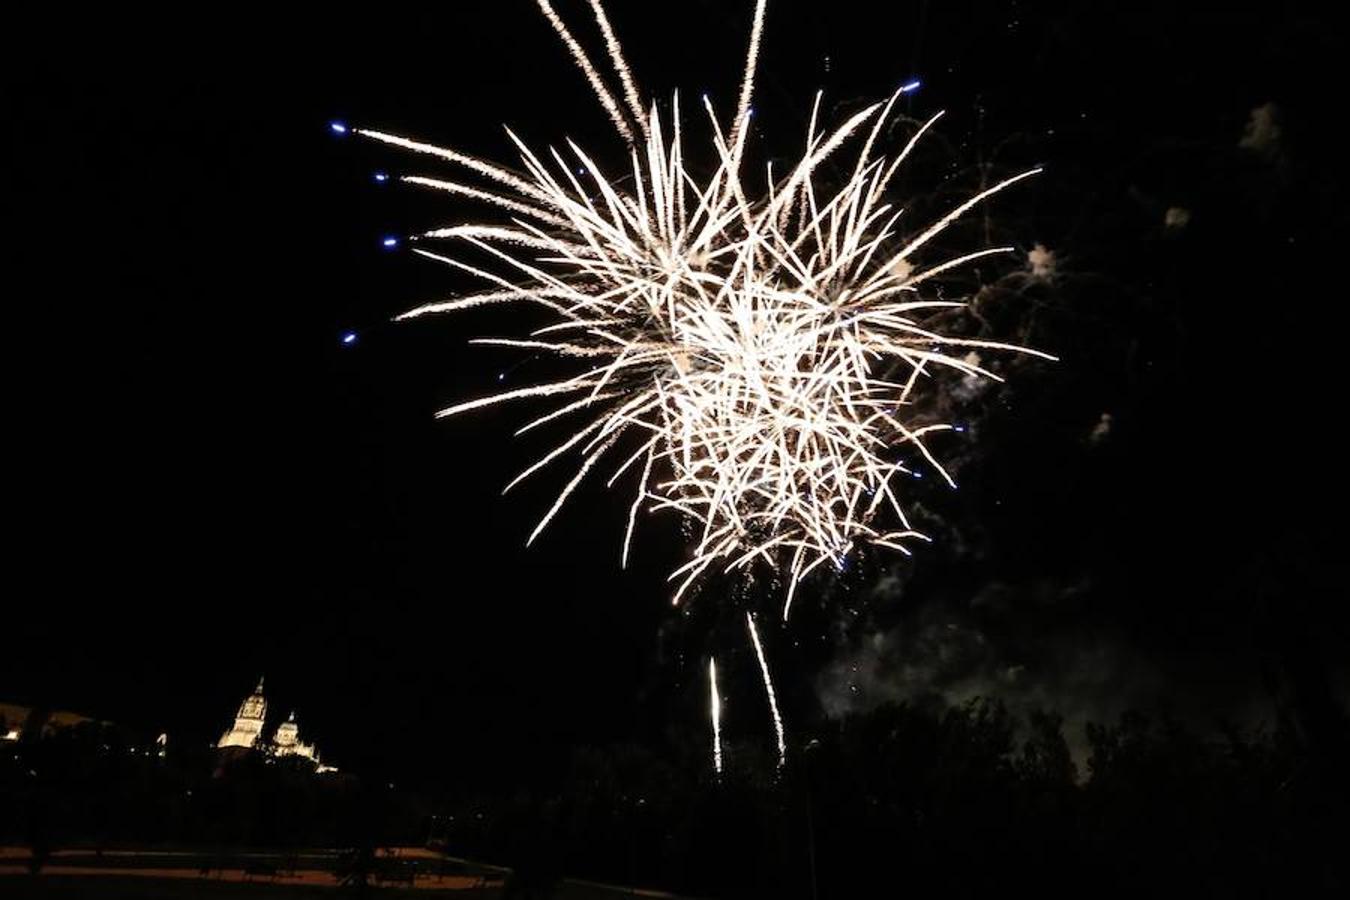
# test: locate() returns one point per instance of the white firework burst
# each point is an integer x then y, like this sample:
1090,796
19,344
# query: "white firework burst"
753,359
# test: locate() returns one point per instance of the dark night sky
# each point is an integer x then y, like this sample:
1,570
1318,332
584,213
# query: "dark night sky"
207,485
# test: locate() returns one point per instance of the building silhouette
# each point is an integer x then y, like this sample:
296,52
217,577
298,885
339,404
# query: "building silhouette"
248,734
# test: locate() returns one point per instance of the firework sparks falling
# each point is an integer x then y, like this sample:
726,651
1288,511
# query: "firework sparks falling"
768,688
761,357
715,711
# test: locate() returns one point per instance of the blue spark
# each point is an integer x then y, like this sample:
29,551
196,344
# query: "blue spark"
911,87
349,338
381,177
389,243
337,127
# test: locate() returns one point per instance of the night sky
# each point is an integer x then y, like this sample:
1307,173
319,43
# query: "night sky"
207,484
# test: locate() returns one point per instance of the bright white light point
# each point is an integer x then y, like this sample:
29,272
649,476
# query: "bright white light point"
337,127
381,177
910,87
715,709
389,243
349,338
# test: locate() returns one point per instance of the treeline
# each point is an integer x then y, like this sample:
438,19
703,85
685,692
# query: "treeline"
93,785
921,798
928,800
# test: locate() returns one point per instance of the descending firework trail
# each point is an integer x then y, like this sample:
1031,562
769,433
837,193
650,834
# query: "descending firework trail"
715,710
768,688
764,361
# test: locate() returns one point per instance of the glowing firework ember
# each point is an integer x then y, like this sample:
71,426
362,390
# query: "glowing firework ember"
756,360
715,711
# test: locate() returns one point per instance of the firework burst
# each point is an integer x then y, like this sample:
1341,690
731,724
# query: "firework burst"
753,360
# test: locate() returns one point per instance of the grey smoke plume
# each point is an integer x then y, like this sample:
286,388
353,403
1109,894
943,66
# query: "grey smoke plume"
1022,646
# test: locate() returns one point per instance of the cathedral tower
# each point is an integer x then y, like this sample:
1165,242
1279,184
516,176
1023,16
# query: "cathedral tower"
248,724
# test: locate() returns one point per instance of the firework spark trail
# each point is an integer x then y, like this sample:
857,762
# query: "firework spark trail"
584,63
715,711
768,358
472,163
630,91
768,688
751,63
